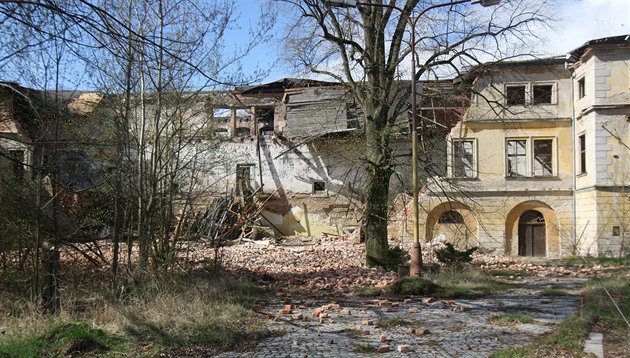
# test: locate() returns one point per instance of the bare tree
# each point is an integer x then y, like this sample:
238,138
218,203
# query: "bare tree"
367,47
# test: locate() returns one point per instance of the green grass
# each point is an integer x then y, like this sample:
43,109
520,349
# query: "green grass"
160,314
394,322
63,339
364,348
367,292
510,319
450,283
568,338
553,292
589,261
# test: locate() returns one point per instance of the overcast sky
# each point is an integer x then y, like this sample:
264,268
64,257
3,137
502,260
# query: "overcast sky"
578,22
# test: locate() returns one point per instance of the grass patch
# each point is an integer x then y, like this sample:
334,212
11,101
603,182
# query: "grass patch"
160,315
364,348
568,338
393,322
413,286
450,283
63,339
510,319
604,261
470,283
553,292
367,292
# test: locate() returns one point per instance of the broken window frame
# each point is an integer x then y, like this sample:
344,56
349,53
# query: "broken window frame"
529,160
543,163
516,157
463,164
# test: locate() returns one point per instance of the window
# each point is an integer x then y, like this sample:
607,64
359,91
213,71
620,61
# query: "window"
542,94
319,187
243,132
463,159
515,95
222,114
581,88
18,164
582,140
543,153
530,157
451,217
516,158
616,231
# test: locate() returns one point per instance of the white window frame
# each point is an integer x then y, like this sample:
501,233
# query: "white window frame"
473,142
530,158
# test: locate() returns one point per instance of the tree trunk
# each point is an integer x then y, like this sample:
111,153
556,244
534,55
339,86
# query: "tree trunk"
377,187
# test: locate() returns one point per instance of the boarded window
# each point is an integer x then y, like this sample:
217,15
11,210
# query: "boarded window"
516,158
542,94
463,159
451,217
515,95
543,157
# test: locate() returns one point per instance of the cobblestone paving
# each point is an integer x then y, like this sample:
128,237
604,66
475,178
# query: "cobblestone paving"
356,327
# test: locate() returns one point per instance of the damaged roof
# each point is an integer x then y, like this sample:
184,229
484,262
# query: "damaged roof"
576,54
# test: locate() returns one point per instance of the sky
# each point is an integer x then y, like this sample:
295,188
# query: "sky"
578,22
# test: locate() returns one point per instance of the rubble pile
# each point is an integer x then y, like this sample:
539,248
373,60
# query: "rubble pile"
328,265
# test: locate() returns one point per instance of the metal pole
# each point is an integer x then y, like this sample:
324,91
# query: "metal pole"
415,268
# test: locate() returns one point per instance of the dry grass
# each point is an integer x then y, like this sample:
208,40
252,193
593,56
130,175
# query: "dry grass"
160,314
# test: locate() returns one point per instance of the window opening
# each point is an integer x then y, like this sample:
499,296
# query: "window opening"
543,157
451,217
582,140
463,159
532,217
616,231
517,158
581,88
515,95
18,157
243,132
319,187
542,94
222,114
243,179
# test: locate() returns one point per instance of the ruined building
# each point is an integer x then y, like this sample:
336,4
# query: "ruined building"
524,158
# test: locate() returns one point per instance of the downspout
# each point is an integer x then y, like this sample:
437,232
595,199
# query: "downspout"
574,166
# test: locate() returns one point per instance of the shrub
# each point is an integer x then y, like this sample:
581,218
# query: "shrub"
413,286
452,257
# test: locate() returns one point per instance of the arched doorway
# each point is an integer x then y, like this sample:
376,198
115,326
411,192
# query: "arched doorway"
532,234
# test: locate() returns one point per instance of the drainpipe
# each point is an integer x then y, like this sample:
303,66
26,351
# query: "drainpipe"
574,169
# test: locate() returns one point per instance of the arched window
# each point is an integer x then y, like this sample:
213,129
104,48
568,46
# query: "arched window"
243,132
532,217
451,217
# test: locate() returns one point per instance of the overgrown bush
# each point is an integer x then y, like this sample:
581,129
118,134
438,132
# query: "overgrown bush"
413,286
452,257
